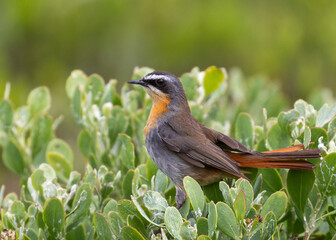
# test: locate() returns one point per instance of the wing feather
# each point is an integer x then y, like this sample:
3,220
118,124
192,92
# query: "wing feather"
225,142
198,150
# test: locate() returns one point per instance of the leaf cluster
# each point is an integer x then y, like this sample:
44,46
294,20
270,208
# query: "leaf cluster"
123,195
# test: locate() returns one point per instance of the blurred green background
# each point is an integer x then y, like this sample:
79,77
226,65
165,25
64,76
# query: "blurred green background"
41,42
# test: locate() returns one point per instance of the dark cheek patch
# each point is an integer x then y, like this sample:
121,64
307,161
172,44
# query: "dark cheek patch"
164,89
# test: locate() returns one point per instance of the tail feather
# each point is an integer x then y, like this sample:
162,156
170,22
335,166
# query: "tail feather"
291,158
288,149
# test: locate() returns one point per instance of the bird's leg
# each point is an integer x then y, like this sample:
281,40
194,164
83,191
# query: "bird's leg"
180,197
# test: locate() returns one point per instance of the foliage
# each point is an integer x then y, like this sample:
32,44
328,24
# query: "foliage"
122,194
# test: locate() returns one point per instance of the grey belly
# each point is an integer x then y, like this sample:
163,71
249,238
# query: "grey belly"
167,161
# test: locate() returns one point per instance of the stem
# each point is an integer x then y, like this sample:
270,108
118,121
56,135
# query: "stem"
313,219
326,215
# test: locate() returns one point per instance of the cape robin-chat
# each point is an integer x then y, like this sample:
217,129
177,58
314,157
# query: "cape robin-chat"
181,146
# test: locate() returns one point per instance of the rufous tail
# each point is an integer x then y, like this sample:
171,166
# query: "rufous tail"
291,158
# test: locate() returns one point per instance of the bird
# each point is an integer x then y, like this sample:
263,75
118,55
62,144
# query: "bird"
181,146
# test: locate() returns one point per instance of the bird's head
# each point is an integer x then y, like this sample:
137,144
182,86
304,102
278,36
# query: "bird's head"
163,86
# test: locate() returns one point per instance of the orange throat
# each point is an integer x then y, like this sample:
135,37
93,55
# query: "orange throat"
159,107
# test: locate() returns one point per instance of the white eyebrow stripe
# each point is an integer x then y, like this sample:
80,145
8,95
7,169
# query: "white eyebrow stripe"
156,77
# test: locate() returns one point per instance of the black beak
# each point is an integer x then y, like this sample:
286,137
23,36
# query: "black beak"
139,82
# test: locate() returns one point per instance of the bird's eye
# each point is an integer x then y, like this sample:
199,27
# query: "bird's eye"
159,82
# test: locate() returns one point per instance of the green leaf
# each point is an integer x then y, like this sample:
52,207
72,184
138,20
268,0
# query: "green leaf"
213,77
135,222
39,100
76,106
306,137
161,181
277,203
212,218
131,233
187,232
285,120
90,176
41,134
111,205
104,175
41,234
316,134
154,201
106,158
116,223
60,164
272,181
299,184
85,143
126,151
74,178
151,169
226,193
13,158
202,226
240,206
246,187
268,226
8,200
117,123
136,182
127,184
190,85
110,94
173,221
184,210
95,85
277,138
6,115
332,128
76,79
80,206
212,192
257,185
103,230
37,179
17,210
53,216
49,190
48,171
244,129
227,221
195,194
59,146
2,190
76,233
307,111
130,102
252,213
31,234
325,114
143,213
127,207
326,175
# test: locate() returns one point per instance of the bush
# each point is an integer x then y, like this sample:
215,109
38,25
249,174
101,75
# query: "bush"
122,194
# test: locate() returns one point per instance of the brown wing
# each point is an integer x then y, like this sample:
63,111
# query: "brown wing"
197,149
225,142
